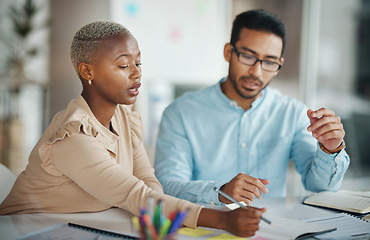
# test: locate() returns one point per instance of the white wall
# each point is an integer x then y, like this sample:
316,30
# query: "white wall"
181,42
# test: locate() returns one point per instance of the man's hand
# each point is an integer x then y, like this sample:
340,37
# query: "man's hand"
244,188
326,127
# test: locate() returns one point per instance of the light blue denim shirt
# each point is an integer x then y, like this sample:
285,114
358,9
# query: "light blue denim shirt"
206,139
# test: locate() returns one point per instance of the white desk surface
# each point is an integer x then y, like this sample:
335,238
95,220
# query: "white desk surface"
13,226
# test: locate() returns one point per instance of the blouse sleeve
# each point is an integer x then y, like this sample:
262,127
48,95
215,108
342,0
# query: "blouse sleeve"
85,161
142,168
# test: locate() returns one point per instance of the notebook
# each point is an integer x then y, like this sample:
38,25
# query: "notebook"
348,226
349,201
74,231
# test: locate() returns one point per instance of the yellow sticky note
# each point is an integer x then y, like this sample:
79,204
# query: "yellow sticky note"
225,237
135,221
196,232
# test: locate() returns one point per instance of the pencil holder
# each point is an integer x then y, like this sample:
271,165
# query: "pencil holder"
144,236
154,225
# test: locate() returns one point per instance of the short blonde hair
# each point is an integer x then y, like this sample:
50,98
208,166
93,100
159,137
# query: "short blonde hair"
87,40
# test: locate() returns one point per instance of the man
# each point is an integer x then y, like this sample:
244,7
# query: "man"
239,134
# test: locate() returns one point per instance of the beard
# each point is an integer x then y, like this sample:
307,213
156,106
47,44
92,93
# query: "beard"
247,93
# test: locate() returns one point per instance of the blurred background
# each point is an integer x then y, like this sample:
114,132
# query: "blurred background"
327,63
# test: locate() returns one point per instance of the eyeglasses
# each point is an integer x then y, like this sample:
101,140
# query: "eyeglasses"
251,60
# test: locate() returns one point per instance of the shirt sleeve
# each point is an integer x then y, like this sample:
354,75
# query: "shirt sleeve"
174,163
320,171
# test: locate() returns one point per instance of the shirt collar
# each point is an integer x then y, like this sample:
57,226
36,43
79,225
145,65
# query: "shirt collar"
231,104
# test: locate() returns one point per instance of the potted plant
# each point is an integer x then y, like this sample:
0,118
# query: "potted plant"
19,49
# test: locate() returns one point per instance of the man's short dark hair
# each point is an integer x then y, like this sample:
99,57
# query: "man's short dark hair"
259,20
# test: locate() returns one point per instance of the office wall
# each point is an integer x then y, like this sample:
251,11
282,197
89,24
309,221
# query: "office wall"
290,12
182,46
66,17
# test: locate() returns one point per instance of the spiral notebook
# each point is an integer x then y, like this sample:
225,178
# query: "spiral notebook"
74,231
348,226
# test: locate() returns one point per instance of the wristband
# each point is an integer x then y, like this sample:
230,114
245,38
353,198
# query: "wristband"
338,149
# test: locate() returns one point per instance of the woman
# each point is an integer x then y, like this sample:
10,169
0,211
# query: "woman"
92,157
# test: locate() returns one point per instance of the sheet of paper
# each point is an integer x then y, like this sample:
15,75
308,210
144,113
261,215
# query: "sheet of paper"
285,228
233,206
197,232
226,236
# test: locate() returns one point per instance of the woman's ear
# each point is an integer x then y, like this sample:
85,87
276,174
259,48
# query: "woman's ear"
227,52
85,71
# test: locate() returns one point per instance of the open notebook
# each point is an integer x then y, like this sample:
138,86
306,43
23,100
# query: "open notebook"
349,201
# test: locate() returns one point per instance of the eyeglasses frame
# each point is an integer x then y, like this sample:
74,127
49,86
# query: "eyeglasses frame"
257,60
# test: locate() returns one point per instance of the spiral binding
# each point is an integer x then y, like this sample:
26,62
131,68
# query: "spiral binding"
102,232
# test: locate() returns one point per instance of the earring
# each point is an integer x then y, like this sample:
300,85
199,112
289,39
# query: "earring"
89,82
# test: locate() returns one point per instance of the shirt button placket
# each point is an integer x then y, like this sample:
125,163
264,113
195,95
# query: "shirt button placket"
243,140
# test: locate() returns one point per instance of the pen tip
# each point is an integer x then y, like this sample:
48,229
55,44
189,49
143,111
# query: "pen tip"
215,188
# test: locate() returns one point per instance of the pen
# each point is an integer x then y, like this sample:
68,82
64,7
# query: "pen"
177,222
150,226
143,226
234,201
158,216
164,229
150,207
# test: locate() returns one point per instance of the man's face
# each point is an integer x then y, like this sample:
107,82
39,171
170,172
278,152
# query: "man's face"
249,81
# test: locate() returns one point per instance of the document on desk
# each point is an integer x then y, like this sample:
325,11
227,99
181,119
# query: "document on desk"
348,226
285,228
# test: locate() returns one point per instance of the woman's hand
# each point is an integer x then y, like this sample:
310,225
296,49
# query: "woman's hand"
242,222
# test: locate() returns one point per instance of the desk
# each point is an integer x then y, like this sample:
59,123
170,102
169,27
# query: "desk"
116,219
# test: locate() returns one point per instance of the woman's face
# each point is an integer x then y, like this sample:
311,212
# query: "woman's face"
117,70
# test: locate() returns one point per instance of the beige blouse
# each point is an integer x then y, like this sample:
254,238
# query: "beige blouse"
78,165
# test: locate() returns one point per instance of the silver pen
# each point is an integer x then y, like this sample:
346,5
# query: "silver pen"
240,205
